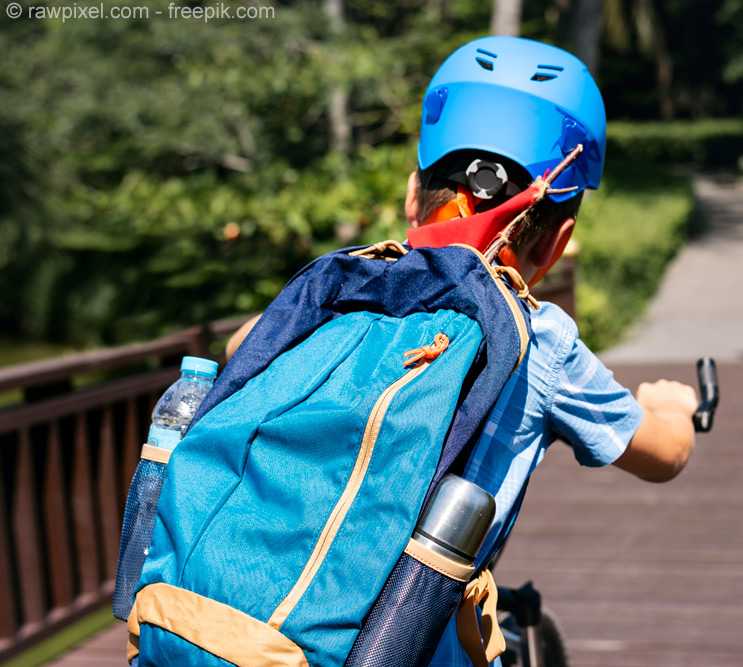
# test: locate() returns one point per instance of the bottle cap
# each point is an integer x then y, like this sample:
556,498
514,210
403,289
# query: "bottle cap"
200,366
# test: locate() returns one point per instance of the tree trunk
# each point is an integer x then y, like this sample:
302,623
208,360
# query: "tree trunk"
505,18
563,31
340,127
663,62
586,32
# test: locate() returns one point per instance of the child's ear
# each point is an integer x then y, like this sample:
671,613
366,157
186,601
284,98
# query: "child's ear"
411,201
553,241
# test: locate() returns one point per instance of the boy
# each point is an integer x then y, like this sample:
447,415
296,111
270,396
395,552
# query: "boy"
497,114
514,104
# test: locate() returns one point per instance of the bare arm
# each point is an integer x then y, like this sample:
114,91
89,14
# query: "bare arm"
662,444
234,342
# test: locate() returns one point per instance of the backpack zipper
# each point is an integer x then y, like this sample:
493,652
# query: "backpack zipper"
518,316
333,524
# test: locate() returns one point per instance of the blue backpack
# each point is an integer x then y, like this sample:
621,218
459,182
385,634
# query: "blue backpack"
288,508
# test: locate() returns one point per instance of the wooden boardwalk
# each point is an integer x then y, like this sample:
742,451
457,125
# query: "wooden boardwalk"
642,574
639,574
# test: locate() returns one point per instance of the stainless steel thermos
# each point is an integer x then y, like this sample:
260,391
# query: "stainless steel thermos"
426,585
456,519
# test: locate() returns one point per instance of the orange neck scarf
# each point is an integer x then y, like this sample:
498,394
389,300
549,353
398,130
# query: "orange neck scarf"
457,222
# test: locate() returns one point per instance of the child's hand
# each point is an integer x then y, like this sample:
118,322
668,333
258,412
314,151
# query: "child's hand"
666,396
661,446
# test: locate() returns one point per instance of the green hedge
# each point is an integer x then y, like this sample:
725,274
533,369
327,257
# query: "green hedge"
628,231
709,142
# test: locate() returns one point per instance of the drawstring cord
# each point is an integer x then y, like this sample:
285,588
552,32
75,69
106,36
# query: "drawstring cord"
544,183
522,290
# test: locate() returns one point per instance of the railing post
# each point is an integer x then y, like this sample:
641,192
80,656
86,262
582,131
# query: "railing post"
131,449
28,542
558,286
8,617
569,261
88,569
198,341
57,526
108,498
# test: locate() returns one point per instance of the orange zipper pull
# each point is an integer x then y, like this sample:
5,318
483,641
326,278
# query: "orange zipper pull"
440,343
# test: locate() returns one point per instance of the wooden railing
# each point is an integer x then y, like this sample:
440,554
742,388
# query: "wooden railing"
66,459
67,456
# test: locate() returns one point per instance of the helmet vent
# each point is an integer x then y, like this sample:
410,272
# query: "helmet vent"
540,76
482,62
487,53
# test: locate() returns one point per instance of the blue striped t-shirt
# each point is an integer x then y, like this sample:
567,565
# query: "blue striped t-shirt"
560,389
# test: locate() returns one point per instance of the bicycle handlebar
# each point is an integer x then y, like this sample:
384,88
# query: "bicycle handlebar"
710,393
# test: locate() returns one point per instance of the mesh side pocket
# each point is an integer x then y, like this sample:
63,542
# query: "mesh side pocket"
406,622
136,533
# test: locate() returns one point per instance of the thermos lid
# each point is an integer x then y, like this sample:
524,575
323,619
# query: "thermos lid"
458,516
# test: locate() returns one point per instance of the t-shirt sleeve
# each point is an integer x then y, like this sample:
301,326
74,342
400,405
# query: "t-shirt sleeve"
591,410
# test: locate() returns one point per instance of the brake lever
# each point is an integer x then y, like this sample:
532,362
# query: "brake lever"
710,393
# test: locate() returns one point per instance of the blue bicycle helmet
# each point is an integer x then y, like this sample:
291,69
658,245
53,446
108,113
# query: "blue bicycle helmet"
521,99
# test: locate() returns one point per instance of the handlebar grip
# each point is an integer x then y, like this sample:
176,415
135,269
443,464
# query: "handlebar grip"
710,394
707,374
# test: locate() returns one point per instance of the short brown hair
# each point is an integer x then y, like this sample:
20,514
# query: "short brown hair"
434,191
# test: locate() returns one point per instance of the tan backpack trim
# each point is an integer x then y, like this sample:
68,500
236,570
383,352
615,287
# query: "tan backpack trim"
378,250
213,626
482,642
157,454
439,563
497,275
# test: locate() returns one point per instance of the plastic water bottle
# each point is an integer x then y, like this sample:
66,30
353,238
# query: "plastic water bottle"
170,419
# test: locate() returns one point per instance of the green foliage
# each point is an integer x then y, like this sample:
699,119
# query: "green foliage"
25,232
150,136
730,15
711,142
627,230
158,173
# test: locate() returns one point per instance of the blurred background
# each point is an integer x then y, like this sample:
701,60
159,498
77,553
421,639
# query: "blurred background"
159,172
